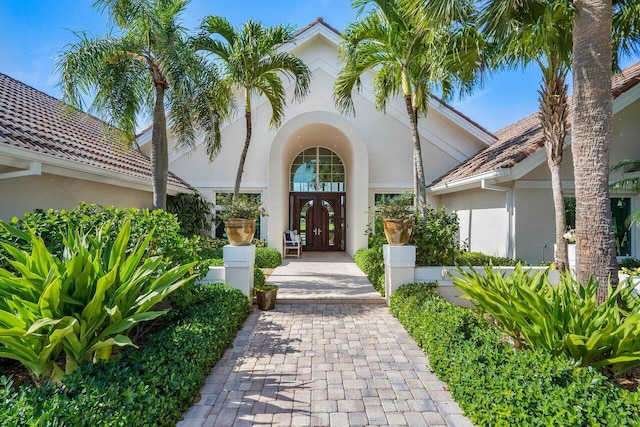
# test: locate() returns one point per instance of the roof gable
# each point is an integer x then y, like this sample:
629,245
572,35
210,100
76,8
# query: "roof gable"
37,127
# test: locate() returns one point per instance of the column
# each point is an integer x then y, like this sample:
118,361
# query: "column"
399,267
238,267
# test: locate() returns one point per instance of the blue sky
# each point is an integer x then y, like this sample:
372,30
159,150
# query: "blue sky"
34,32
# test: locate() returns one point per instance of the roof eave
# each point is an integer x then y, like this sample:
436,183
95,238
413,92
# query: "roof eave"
475,181
70,169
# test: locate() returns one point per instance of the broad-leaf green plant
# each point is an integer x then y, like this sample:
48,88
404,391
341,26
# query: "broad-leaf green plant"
84,302
562,319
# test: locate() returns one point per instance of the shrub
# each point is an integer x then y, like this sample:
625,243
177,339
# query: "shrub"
436,238
630,263
211,248
479,259
84,302
194,213
148,387
258,277
268,258
52,226
496,385
563,319
371,262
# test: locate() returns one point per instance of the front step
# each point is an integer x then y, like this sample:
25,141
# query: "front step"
330,300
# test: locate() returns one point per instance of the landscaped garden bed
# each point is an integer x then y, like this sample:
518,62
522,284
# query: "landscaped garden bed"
100,315
149,386
496,383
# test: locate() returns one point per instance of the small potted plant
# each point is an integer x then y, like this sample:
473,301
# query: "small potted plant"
240,217
397,216
266,296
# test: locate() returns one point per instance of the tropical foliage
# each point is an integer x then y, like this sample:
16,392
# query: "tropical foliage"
244,206
147,66
563,319
540,33
150,386
194,213
82,303
251,63
408,61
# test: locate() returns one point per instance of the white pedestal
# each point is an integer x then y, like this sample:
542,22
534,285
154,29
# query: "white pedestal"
399,267
238,267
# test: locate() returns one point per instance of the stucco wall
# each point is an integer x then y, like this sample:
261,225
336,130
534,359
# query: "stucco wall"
20,195
534,225
484,219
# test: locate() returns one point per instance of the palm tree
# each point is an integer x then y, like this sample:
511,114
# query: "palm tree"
591,134
251,62
148,67
407,61
539,32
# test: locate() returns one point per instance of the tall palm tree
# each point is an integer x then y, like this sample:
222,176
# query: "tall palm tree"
150,66
591,134
407,62
538,32
250,61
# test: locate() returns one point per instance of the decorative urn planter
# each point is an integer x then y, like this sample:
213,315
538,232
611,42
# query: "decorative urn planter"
240,231
266,297
398,231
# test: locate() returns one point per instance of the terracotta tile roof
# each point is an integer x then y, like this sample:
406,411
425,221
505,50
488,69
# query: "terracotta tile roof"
33,120
521,139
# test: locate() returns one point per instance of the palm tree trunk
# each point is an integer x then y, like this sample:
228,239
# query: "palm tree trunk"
159,150
553,116
562,256
243,156
592,135
418,179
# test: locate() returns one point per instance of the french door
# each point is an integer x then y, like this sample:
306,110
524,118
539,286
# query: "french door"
319,218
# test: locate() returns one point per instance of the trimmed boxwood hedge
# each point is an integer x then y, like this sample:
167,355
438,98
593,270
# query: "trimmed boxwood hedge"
268,258
152,386
371,262
496,385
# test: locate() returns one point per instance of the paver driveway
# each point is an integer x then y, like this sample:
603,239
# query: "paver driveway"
321,364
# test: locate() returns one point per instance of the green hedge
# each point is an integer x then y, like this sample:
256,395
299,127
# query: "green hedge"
152,386
475,259
268,257
498,386
371,262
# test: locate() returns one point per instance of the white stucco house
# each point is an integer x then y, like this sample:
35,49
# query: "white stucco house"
498,183
320,172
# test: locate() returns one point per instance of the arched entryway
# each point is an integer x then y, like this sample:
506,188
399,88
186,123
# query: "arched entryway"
317,199
320,130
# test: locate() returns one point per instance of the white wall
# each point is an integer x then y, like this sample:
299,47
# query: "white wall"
484,219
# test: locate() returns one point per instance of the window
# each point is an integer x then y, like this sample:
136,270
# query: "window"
220,198
620,210
379,197
317,169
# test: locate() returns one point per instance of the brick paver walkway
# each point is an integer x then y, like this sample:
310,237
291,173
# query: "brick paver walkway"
310,364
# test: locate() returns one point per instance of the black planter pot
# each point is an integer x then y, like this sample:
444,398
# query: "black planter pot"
266,299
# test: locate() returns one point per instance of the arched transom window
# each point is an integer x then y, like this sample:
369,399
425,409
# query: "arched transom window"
317,169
